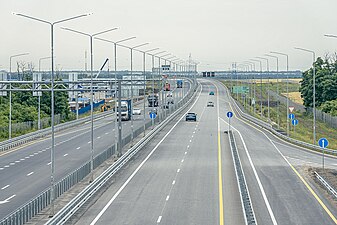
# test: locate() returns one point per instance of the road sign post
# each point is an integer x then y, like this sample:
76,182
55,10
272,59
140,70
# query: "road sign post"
229,115
323,143
294,123
152,117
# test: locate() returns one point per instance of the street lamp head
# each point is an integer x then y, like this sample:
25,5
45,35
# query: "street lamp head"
126,39
330,35
150,50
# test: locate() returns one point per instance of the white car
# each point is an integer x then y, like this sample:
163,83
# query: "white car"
136,111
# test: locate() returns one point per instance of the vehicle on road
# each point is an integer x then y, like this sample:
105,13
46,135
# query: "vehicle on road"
154,110
211,93
124,109
169,95
179,83
136,111
210,104
167,86
152,100
191,116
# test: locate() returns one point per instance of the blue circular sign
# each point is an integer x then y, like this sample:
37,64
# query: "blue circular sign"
323,142
229,114
294,122
291,116
153,115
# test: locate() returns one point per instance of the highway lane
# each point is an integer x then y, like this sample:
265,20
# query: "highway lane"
25,172
179,181
279,194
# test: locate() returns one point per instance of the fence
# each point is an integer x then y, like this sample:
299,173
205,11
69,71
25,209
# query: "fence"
325,117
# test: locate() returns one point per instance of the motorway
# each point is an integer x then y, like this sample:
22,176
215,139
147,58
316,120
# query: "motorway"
186,175
25,171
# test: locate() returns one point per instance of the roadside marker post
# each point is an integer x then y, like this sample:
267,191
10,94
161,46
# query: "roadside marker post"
229,115
323,143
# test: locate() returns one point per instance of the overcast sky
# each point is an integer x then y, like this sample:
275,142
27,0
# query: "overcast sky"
215,32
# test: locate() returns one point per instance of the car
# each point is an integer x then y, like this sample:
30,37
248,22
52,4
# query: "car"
210,104
154,110
211,93
191,116
169,95
136,111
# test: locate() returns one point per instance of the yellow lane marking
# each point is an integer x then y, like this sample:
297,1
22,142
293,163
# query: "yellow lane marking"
221,208
293,168
220,182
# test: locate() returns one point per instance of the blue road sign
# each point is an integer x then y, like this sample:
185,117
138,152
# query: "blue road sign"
291,116
323,142
153,115
294,122
229,114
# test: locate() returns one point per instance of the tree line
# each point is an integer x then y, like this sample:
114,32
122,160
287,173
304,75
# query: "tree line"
25,105
326,85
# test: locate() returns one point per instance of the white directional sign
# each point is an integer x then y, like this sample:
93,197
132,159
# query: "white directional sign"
73,77
3,77
36,87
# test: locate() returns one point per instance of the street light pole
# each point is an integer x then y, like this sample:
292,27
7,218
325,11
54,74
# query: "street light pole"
39,97
287,61
314,87
117,128
131,73
91,90
260,84
10,94
52,24
267,86
152,72
277,90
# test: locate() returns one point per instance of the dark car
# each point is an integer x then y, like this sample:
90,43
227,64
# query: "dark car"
211,93
191,116
210,104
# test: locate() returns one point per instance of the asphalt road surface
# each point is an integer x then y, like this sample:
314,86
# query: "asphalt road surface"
25,171
186,175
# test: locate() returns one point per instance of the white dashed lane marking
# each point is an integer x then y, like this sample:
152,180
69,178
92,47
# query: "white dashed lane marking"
65,155
29,174
3,188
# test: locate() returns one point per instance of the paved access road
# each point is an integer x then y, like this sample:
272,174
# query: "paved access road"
25,171
187,176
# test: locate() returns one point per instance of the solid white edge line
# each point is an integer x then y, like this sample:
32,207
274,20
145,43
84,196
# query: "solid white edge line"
138,168
270,211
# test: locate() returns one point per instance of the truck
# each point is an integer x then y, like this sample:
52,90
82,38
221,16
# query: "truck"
152,100
179,83
167,86
124,109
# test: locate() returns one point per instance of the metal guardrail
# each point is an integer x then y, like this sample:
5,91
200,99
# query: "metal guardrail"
267,126
326,184
247,206
25,212
71,208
